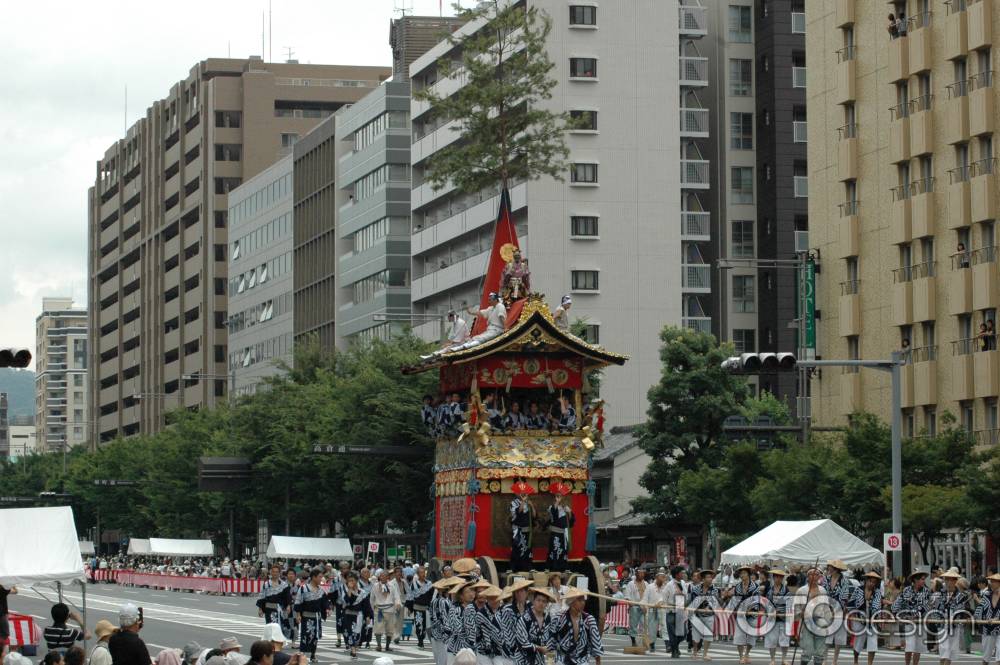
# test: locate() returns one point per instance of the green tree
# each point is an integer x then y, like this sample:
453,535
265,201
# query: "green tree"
508,134
723,494
983,492
686,411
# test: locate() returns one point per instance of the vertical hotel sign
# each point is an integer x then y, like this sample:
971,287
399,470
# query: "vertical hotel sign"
810,303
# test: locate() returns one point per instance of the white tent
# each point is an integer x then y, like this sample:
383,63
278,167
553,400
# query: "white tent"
176,547
39,545
803,543
86,547
291,547
138,546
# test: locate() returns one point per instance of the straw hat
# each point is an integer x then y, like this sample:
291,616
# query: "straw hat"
480,585
918,573
463,566
950,575
446,582
745,567
539,591
871,574
458,588
491,591
708,571
995,577
778,571
103,629
572,593
837,563
520,584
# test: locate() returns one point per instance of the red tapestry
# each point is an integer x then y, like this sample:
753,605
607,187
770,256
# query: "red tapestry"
522,371
451,526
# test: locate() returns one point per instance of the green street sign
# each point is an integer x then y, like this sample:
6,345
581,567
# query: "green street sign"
810,284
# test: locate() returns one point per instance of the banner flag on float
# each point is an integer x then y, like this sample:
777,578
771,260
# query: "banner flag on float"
504,244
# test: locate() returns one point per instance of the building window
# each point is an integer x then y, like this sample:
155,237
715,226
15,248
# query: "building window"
741,185
968,417
584,173
582,15
743,296
289,139
584,120
583,226
228,118
745,340
591,333
740,26
743,239
602,493
583,67
585,280
740,77
741,131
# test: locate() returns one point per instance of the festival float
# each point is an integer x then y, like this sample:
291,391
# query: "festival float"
512,484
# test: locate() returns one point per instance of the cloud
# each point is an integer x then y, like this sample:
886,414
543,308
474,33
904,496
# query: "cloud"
64,103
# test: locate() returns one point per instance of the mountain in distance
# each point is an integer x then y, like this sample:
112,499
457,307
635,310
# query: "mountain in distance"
19,384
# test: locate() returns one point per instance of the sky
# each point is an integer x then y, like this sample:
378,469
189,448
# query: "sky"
67,67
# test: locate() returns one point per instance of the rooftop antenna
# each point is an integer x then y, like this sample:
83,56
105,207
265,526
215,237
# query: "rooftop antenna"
403,7
289,52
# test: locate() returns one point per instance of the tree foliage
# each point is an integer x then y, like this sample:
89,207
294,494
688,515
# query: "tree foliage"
355,397
507,133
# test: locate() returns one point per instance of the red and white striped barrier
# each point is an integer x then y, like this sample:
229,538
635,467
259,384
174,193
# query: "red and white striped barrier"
102,575
235,585
178,582
617,617
23,630
725,623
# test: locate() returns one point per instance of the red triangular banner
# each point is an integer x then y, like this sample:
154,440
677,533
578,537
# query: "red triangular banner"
504,244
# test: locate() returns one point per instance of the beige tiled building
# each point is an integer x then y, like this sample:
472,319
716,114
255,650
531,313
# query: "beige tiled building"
61,356
158,229
903,206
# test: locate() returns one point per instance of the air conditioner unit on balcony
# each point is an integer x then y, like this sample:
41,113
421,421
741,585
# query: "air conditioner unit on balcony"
801,242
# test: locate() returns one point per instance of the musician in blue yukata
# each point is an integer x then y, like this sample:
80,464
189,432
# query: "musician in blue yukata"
418,602
522,515
912,604
429,415
839,590
567,415
311,604
704,601
951,602
989,610
776,592
866,604
743,598
515,419
461,620
355,609
438,614
537,620
574,636
561,520
275,601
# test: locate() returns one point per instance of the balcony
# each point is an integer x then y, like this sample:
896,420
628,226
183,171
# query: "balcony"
899,67
696,277
906,385
922,207
692,21
963,372
924,292
956,127
900,216
696,226
982,191
846,76
699,323
959,198
693,71
980,15
902,297
847,153
986,378
800,186
924,375
798,77
985,278
919,38
956,35
849,236
695,173
899,137
798,23
960,284
850,393
845,13
694,123
800,133
981,104
921,126
850,309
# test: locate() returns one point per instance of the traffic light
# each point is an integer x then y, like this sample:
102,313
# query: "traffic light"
759,363
15,357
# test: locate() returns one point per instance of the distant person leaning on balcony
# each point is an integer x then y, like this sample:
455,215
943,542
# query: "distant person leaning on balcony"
893,32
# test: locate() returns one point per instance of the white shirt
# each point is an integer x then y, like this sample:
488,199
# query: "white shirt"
495,317
632,590
656,595
676,593
459,332
387,600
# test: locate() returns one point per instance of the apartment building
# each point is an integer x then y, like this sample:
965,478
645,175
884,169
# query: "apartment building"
5,443
373,214
603,235
21,434
61,360
412,36
158,229
903,204
260,277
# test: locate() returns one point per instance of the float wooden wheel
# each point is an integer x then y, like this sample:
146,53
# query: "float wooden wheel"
590,568
489,569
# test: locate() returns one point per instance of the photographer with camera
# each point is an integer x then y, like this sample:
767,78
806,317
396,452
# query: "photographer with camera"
126,647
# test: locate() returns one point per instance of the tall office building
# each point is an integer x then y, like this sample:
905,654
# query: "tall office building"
903,205
5,443
603,235
373,214
158,229
61,358
412,36
260,276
